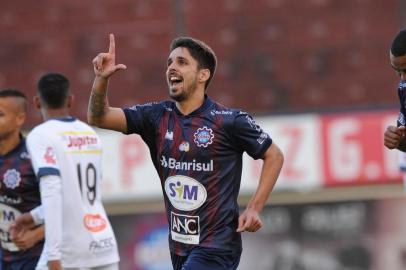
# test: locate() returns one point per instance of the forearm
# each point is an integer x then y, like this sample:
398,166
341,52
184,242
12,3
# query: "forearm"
273,161
51,196
39,233
98,102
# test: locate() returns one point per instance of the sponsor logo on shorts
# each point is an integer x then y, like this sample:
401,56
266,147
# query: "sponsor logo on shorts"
94,223
12,178
185,193
185,229
203,136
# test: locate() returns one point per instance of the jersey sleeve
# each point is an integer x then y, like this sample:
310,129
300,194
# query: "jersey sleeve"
42,152
141,119
249,137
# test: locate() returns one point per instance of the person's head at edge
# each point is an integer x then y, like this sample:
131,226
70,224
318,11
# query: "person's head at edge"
398,54
54,98
13,110
190,68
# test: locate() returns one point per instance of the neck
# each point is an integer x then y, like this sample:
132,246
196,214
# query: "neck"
8,144
54,113
191,104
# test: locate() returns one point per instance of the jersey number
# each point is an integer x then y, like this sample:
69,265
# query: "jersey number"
90,178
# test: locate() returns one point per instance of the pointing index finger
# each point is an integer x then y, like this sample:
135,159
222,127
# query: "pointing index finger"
112,47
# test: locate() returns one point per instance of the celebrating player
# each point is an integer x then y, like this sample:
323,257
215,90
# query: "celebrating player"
394,136
196,146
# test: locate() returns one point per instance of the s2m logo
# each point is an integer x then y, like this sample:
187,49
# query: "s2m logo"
185,193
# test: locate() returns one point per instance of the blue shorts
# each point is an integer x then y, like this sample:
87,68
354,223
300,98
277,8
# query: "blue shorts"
26,264
202,258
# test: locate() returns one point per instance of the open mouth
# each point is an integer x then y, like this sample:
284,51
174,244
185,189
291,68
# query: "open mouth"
175,80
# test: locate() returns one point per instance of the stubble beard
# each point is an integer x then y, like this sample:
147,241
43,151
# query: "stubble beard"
188,91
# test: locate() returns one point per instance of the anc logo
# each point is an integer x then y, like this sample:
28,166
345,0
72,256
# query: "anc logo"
185,193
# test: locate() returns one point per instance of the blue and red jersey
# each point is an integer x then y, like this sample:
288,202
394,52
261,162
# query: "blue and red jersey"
19,193
198,158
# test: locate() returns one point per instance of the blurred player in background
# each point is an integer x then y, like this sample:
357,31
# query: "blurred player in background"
196,146
19,188
394,136
66,156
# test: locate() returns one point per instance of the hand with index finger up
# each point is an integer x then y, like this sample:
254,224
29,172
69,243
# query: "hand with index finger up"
104,64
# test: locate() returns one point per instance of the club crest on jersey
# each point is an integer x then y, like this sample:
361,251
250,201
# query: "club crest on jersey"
184,147
12,178
49,156
203,136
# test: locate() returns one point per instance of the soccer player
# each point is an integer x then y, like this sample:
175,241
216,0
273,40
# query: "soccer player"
394,136
19,188
66,156
196,145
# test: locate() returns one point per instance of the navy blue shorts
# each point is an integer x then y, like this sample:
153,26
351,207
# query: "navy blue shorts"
26,264
202,258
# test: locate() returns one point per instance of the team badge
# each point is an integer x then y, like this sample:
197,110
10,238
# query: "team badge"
12,178
184,147
203,136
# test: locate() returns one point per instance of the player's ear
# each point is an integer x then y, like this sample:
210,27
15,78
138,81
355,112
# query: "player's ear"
204,75
21,118
37,102
70,101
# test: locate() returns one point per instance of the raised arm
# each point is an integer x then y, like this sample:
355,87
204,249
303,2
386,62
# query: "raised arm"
99,112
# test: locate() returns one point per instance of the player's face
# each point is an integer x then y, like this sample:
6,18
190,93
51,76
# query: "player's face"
399,65
11,117
181,74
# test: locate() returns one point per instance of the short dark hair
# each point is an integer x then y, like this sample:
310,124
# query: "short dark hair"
53,89
398,47
15,93
200,51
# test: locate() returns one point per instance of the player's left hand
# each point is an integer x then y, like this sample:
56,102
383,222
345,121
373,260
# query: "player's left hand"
249,221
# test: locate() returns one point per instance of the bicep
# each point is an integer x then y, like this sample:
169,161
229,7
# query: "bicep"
273,154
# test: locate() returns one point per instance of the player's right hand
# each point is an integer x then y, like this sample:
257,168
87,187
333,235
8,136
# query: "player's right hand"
104,64
393,136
